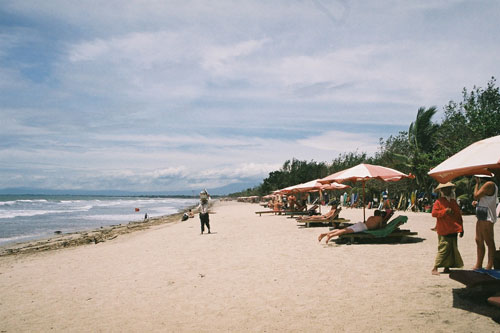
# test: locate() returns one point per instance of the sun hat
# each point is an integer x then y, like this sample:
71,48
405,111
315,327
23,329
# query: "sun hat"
448,184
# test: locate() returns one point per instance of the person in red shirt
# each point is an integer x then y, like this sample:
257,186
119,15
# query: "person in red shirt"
448,225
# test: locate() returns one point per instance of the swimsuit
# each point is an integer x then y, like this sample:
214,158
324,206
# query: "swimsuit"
489,203
358,227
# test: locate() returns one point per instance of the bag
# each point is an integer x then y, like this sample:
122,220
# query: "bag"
482,213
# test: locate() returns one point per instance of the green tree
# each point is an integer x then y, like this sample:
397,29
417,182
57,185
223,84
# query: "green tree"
475,118
418,158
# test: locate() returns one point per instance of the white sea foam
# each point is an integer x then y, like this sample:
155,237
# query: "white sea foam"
19,238
6,214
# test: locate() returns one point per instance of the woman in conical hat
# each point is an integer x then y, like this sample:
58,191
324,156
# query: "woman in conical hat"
449,224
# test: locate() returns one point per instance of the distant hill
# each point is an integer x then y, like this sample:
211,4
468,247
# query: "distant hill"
223,190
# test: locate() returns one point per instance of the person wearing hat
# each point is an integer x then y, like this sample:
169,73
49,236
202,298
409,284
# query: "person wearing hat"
449,224
203,209
487,194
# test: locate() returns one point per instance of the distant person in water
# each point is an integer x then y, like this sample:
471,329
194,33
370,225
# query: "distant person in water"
373,222
203,208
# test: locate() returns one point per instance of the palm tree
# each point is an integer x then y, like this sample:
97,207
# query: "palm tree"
421,143
422,131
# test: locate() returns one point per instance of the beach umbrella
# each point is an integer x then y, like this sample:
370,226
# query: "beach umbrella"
335,186
478,158
363,172
312,186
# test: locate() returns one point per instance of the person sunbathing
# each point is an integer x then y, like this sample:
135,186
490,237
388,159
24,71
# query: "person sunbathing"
373,222
326,216
300,207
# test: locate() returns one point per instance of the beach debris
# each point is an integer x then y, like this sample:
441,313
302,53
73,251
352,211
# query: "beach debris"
86,237
201,275
58,232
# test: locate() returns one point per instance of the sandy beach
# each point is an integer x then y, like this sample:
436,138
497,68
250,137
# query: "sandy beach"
260,274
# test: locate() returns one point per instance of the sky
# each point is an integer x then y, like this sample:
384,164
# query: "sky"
157,95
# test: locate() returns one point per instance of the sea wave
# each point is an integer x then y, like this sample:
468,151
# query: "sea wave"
21,201
6,214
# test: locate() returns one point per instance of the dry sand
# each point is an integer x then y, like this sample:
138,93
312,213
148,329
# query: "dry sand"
252,274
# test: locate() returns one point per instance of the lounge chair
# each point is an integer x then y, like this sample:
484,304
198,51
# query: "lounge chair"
331,217
483,278
276,212
391,230
387,217
310,211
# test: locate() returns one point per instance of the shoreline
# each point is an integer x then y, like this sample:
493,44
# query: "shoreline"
91,236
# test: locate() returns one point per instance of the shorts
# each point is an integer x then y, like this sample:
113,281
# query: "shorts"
358,227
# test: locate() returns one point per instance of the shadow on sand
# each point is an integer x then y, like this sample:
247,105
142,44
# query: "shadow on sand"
475,300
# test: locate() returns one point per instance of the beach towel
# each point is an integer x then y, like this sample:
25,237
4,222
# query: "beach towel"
491,272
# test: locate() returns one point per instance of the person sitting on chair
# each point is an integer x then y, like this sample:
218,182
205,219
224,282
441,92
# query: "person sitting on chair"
326,216
373,222
291,202
300,205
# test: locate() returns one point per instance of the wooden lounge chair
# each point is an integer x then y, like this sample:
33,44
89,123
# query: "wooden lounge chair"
276,212
331,217
487,281
310,211
477,278
391,230
342,225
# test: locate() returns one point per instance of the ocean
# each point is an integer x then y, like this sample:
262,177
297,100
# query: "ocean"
30,217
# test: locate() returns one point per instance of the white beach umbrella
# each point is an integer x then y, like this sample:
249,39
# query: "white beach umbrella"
363,172
478,158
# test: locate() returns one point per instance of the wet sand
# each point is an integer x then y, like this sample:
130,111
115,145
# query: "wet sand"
251,274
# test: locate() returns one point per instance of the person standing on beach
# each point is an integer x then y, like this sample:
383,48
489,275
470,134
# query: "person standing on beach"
487,194
203,208
449,223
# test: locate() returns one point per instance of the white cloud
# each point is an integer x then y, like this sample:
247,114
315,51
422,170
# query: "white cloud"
246,170
335,140
180,171
218,59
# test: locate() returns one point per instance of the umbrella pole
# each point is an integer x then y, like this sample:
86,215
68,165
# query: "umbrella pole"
320,199
364,218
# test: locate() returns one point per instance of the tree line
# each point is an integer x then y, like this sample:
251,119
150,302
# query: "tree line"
423,146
